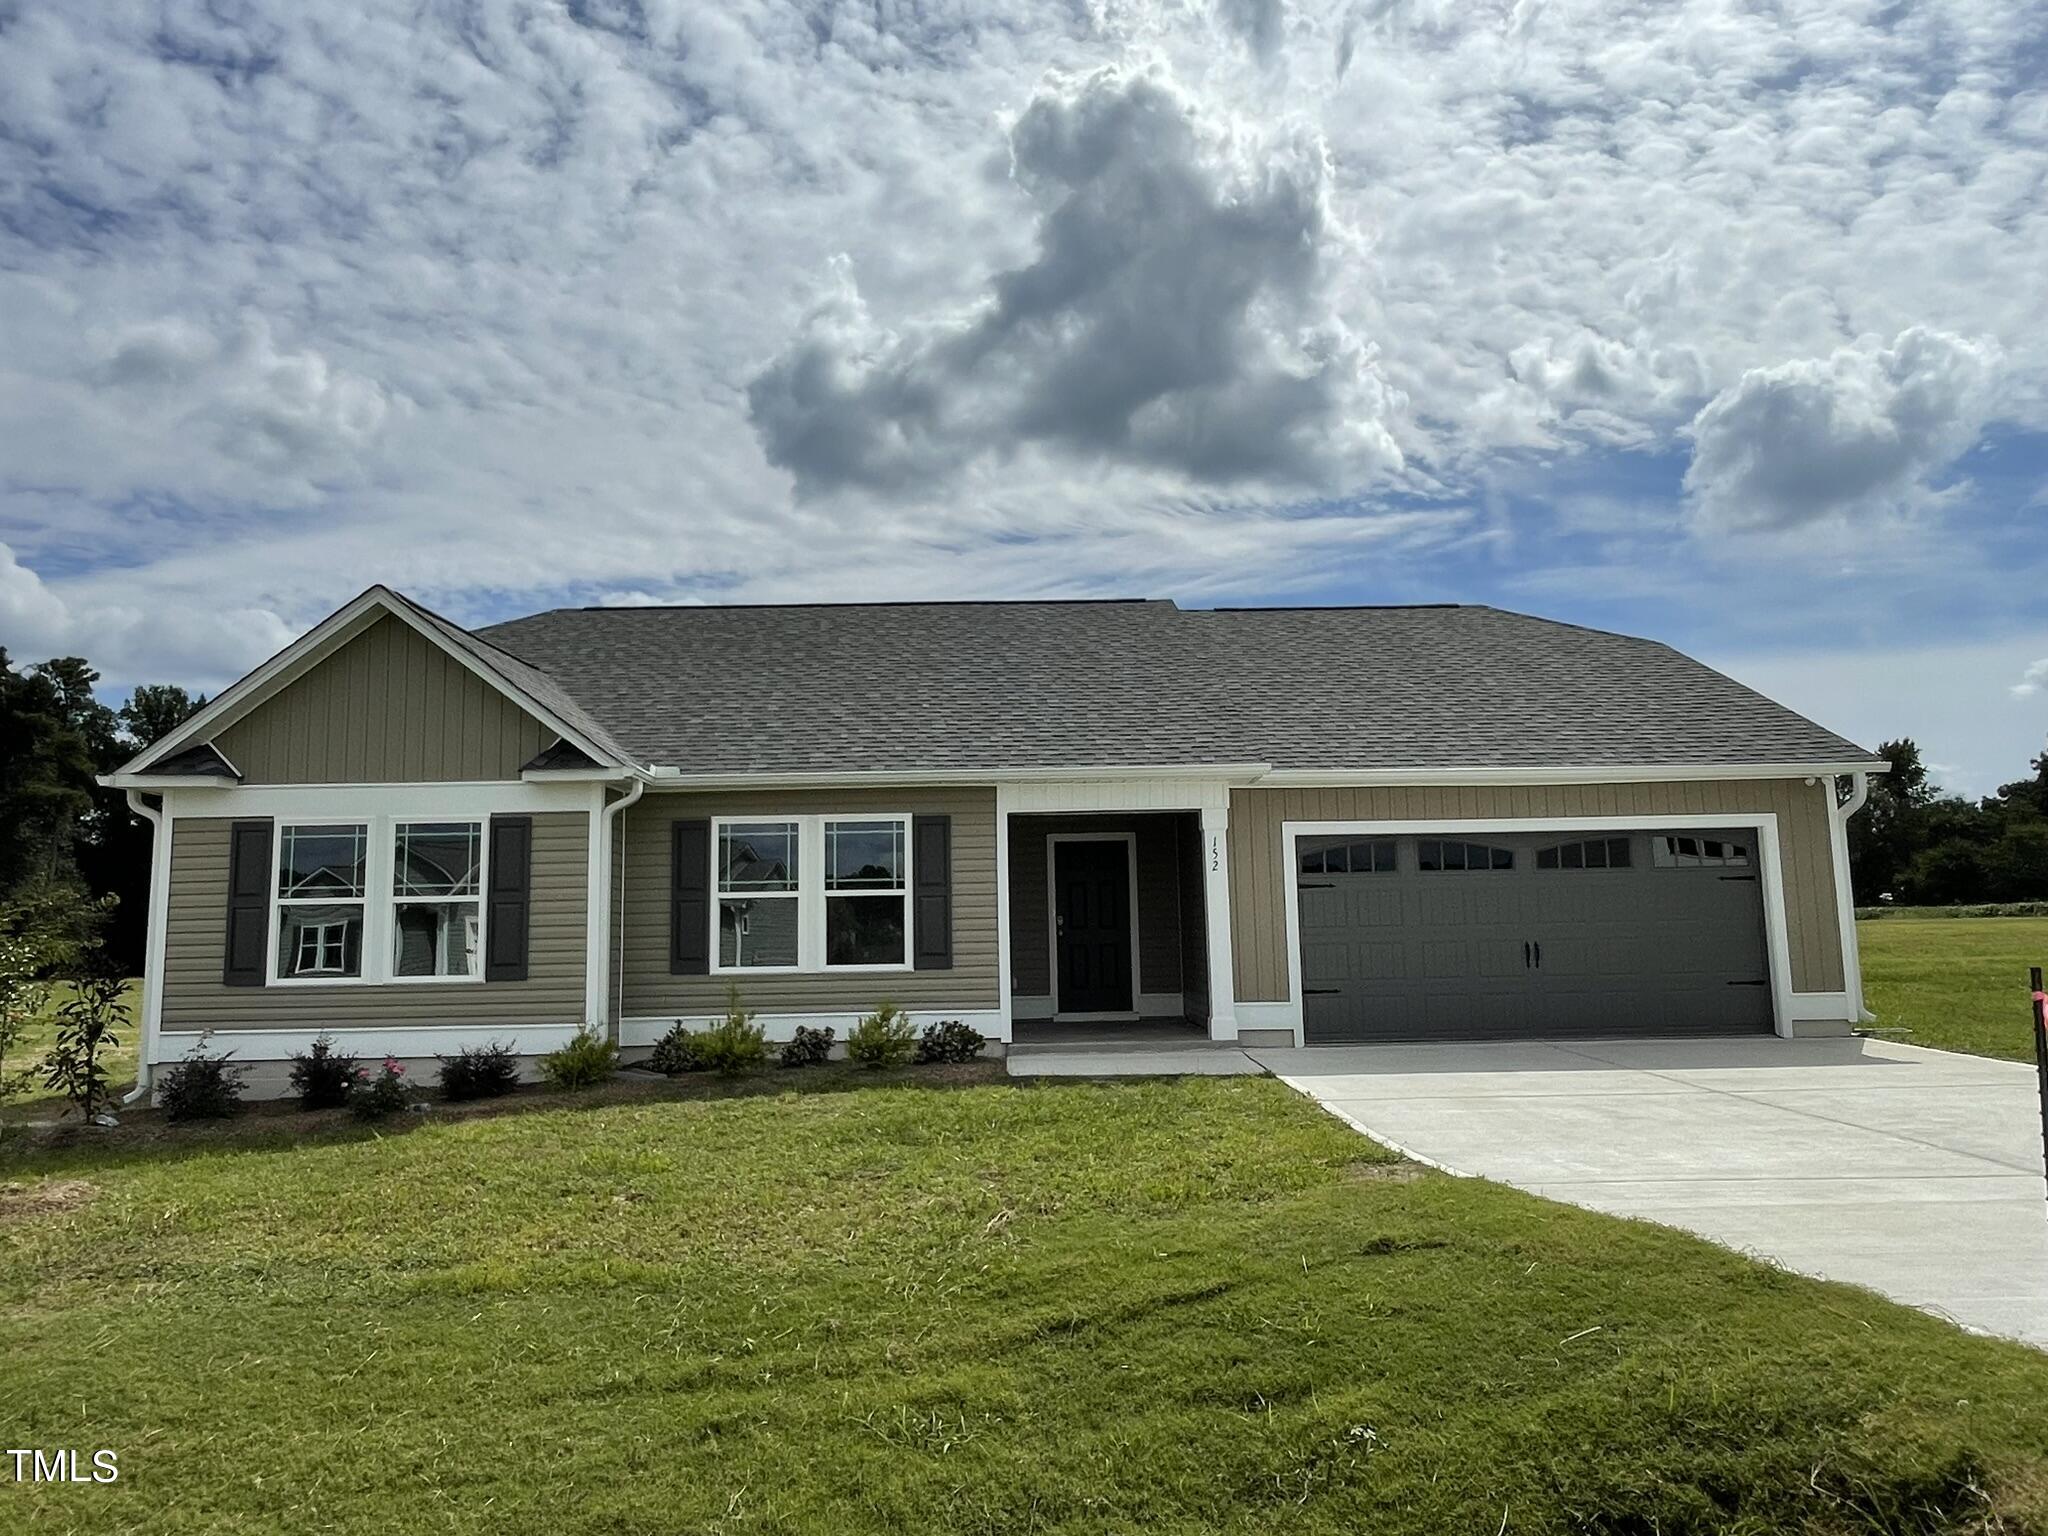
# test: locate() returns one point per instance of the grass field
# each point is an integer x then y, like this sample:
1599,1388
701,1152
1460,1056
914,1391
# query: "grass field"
1197,1306
1955,983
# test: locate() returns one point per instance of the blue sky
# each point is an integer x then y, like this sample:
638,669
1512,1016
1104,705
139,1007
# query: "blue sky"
1714,323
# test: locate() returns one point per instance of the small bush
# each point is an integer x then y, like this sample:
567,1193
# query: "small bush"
479,1072
85,1027
201,1087
381,1092
584,1062
677,1052
949,1040
322,1076
735,1044
883,1038
809,1048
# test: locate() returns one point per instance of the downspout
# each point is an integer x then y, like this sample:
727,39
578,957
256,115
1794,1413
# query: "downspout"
613,914
1852,951
152,943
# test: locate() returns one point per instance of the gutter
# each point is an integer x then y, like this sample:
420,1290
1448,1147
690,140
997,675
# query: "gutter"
618,943
1852,952
152,940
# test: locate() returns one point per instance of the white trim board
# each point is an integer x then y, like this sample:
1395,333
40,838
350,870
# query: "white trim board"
1052,920
367,1041
1770,869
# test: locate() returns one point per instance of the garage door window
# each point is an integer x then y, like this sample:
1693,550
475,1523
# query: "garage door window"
1593,853
1673,852
1432,855
1328,856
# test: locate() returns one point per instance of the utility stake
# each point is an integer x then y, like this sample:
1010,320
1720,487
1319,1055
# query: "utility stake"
2041,1054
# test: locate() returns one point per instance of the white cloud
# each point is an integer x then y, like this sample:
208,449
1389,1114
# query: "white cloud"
1864,428
2032,680
1173,313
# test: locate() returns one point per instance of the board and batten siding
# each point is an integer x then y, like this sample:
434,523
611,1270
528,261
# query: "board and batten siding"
389,707
1159,898
647,990
1258,864
194,997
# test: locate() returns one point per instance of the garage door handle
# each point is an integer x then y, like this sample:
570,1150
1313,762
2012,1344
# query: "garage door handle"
1320,991
1758,983
1525,954
1318,885
1737,877
1539,957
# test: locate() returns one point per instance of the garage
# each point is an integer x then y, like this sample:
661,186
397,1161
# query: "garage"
1463,935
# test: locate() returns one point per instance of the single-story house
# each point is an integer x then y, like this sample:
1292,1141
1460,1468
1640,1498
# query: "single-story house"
1282,825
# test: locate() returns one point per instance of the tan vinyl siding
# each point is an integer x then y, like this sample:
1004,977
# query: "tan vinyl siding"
194,997
649,991
1258,868
1158,915
389,707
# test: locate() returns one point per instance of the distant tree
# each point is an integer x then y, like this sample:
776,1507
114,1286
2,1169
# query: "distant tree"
2027,798
154,710
1890,828
46,775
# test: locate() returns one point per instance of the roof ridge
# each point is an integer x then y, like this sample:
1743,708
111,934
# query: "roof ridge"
901,602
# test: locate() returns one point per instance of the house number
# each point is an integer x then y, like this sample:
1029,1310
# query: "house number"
1215,852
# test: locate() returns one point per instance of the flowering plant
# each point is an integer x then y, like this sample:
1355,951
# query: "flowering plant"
380,1093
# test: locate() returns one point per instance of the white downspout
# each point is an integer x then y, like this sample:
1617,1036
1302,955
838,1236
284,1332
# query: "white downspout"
152,940
1852,952
616,950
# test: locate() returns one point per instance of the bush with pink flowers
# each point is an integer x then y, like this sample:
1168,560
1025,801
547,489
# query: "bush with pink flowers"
381,1090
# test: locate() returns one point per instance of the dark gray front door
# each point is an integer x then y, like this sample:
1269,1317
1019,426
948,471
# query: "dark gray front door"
1092,926
1467,936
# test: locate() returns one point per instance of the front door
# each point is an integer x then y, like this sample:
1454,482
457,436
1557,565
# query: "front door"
1092,926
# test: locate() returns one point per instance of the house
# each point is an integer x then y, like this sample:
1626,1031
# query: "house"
1286,825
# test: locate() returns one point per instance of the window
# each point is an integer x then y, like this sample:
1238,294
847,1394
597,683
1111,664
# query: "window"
1340,856
758,899
1432,854
1672,851
1593,853
812,893
866,889
322,883
436,898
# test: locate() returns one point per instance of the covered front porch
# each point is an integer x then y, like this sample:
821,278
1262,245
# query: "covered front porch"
1116,924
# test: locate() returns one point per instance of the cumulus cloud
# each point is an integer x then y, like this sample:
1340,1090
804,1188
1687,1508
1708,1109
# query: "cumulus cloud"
1174,314
1258,22
1866,427
2033,680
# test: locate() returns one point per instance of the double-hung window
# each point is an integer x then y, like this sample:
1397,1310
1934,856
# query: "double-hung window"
758,899
436,898
812,893
323,882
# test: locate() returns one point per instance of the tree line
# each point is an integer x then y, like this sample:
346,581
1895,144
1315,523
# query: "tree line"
1916,847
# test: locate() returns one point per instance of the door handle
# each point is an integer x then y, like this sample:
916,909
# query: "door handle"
1539,955
1525,954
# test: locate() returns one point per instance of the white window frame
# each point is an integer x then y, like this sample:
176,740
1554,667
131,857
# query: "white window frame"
379,900
811,893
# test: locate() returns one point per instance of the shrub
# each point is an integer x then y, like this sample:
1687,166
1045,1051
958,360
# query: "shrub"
584,1062
381,1092
201,1087
677,1052
323,1076
808,1048
479,1072
735,1044
949,1040
883,1038
85,1027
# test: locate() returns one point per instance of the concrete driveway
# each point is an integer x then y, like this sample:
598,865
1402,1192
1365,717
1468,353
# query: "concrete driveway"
1917,1173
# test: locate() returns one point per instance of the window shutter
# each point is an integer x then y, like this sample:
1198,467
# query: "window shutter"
245,959
689,899
931,876
510,898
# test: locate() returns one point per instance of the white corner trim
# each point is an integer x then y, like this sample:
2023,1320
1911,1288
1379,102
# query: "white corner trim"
1845,894
157,921
1770,871
645,1030
1283,1015
404,1040
1006,980
1218,934
1832,1006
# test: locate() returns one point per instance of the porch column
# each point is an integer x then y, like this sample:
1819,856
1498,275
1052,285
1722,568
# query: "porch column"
1216,913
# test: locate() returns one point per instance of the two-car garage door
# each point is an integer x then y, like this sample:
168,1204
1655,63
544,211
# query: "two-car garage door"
1470,936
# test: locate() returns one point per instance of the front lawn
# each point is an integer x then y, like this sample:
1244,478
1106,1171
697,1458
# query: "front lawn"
1196,1306
1955,983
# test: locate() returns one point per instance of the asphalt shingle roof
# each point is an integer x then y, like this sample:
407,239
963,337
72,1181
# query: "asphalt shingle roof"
944,686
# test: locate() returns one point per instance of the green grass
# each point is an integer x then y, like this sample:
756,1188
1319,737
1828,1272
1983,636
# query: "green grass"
1197,1306
41,1103
1955,983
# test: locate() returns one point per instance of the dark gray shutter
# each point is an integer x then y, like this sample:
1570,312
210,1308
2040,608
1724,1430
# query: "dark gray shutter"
510,898
245,960
931,877
689,898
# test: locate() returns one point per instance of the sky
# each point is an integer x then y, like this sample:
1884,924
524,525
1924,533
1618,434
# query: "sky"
1719,323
